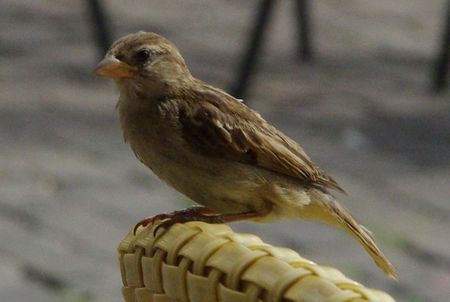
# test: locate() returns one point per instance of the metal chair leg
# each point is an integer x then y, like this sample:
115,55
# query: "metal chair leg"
251,54
100,26
304,30
442,63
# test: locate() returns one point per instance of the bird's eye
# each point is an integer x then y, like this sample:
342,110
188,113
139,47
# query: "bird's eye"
142,55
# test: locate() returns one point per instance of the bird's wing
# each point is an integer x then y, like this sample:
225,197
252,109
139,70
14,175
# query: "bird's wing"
216,124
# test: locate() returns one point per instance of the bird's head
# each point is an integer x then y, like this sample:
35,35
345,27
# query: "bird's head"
144,63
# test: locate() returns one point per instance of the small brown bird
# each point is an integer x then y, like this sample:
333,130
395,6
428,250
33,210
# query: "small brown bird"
212,148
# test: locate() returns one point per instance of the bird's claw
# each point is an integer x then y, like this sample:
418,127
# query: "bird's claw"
165,225
184,215
149,220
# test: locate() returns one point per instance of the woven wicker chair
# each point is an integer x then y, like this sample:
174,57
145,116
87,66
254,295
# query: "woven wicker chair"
210,263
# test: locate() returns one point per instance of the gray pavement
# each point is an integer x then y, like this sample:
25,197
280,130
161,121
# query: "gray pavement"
71,189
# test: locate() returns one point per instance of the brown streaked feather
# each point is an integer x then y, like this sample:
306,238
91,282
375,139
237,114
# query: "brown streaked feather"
217,124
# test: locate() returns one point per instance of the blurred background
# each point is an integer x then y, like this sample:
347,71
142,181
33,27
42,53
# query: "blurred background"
360,102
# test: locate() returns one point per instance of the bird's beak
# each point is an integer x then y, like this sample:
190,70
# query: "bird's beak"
112,68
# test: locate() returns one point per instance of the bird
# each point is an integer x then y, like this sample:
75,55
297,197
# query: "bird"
214,149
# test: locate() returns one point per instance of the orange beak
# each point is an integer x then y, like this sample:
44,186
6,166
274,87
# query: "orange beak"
112,68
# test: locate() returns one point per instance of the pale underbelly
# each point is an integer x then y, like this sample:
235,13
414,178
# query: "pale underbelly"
233,187
224,185
227,188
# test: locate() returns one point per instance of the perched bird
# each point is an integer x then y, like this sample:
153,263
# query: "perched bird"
215,150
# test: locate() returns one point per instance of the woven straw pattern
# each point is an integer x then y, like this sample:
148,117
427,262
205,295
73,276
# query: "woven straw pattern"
202,262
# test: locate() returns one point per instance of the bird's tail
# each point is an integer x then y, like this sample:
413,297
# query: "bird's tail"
326,209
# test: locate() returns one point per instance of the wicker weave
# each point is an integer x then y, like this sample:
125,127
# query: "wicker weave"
202,262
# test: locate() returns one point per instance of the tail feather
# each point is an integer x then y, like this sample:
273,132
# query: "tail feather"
331,212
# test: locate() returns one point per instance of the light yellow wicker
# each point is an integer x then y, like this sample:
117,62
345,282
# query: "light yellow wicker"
197,262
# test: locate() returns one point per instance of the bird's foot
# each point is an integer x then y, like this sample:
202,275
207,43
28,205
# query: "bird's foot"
205,216
184,215
215,219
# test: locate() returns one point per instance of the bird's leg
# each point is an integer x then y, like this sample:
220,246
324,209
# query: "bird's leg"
193,211
213,219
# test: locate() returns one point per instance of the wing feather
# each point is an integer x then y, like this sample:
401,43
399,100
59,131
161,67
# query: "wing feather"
219,125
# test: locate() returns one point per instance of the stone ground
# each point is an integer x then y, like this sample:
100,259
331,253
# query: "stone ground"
71,189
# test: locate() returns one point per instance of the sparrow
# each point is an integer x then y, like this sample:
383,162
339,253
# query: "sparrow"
214,149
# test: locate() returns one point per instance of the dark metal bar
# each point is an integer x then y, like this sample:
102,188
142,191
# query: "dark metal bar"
100,26
442,62
250,57
304,23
